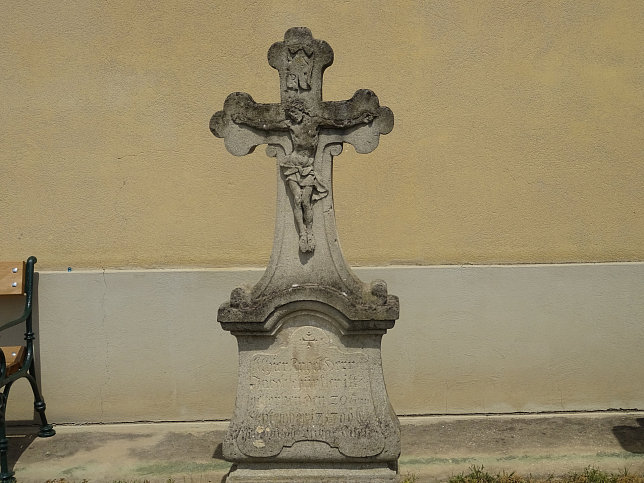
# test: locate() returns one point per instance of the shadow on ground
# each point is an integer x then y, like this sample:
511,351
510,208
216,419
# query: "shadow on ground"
20,437
631,438
219,455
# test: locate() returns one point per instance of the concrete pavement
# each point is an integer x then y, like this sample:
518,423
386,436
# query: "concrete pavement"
433,448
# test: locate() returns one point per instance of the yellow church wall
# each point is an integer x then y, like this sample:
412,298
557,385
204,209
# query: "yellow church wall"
518,137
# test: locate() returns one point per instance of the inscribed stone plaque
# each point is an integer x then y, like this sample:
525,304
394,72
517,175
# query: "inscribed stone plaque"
310,390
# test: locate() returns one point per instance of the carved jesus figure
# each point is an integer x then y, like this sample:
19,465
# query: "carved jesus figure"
304,127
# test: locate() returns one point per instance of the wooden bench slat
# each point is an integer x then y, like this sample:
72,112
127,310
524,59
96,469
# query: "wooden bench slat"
14,356
12,278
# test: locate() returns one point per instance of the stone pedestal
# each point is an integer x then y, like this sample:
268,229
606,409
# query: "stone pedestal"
311,400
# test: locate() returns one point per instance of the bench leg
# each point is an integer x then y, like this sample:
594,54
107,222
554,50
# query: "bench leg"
46,429
6,475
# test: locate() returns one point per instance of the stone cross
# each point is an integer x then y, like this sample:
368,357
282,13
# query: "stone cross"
297,122
311,397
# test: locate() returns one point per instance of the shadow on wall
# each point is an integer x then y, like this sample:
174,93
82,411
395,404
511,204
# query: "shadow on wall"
631,438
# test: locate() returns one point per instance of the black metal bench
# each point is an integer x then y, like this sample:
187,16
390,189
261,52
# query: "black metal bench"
17,279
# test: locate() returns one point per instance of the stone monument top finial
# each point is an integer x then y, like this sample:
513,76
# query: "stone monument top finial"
301,61
304,133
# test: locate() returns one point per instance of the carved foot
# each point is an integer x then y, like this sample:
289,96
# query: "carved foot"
307,242
304,243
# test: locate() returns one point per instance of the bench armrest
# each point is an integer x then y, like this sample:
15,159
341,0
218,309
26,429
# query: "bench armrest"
29,285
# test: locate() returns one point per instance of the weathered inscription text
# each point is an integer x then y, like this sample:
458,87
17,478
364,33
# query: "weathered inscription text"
310,390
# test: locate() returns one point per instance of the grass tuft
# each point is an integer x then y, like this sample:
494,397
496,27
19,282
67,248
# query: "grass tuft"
589,475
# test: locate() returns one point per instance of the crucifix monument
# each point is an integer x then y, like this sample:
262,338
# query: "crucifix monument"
311,400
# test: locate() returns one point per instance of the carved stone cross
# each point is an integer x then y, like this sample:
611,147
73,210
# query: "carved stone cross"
311,397
304,133
301,116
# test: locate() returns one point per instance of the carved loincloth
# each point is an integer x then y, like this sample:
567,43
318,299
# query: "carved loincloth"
299,168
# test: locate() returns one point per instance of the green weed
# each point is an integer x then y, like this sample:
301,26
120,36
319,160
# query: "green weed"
589,475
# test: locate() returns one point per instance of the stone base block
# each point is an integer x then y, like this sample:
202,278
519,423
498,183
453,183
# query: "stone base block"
302,472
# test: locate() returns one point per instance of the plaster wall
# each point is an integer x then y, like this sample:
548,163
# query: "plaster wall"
518,135
145,345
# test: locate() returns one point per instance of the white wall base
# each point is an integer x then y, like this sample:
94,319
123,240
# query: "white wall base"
145,345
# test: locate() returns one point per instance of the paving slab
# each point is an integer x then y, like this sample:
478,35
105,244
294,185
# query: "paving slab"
433,448
152,452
